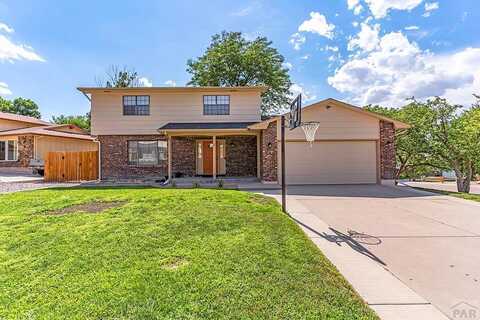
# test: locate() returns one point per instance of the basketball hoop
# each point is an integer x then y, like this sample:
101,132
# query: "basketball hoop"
310,128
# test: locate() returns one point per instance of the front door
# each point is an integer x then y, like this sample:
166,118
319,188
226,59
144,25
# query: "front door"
207,157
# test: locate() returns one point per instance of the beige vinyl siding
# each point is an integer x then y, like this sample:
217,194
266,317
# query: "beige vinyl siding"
337,123
331,162
165,107
44,144
10,124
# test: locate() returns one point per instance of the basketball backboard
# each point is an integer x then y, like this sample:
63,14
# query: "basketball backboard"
295,119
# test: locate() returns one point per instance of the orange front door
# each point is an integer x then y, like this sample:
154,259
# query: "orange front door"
207,157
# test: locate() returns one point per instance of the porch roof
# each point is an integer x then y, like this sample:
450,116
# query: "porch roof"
206,125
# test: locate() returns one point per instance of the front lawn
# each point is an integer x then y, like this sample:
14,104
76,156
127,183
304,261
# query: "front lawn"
162,254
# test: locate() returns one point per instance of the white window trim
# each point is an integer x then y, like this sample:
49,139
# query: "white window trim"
15,141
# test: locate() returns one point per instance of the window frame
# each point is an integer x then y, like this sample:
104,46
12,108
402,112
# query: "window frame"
136,107
161,156
216,105
6,144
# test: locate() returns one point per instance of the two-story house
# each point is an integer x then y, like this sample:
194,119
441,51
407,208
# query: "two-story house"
151,133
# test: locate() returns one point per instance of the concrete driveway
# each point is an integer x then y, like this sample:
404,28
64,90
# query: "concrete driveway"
430,242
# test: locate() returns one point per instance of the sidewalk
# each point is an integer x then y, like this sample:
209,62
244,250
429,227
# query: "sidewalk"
389,297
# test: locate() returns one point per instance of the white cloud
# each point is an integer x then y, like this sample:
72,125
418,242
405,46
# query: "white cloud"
4,90
380,8
297,40
171,83
10,51
296,89
367,39
412,28
145,82
355,6
6,28
398,69
355,24
305,57
287,65
429,7
317,24
331,48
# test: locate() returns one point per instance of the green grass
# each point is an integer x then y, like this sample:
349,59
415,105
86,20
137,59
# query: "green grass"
165,254
463,195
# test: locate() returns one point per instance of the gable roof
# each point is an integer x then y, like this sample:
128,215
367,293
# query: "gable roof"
337,103
47,131
21,118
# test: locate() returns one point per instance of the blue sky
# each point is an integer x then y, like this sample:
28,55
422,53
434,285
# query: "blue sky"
361,51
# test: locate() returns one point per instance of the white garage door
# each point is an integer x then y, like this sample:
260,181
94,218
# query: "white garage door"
331,162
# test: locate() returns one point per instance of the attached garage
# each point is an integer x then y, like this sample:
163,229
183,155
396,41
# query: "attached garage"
331,162
351,146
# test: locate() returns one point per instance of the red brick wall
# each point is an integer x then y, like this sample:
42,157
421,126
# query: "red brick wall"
387,150
183,156
269,158
241,156
114,159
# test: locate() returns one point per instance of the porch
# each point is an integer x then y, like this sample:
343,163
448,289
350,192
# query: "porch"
212,150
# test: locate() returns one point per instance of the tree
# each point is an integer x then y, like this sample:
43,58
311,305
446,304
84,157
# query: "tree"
412,149
82,121
231,60
117,77
443,136
20,106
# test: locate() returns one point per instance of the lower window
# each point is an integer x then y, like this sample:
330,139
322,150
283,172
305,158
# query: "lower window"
147,153
8,150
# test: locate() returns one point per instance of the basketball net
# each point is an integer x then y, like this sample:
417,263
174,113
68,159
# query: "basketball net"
310,128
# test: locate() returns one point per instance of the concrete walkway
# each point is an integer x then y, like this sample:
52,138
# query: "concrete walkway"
384,290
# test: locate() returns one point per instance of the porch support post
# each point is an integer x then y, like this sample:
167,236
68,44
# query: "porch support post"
214,157
169,149
259,156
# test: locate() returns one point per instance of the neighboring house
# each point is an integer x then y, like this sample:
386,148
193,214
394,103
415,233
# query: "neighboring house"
150,133
25,140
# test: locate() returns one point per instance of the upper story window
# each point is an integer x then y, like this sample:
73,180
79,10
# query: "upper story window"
136,105
216,105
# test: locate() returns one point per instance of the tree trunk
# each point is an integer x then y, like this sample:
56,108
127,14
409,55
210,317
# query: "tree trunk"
463,180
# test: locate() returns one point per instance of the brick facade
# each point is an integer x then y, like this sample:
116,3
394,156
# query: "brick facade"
269,160
387,150
114,159
25,153
241,156
183,156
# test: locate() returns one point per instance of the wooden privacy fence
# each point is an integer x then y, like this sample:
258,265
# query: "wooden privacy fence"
71,166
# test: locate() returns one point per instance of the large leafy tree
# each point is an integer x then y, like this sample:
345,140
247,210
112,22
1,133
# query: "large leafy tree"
412,148
231,60
443,136
20,106
82,121
455,139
